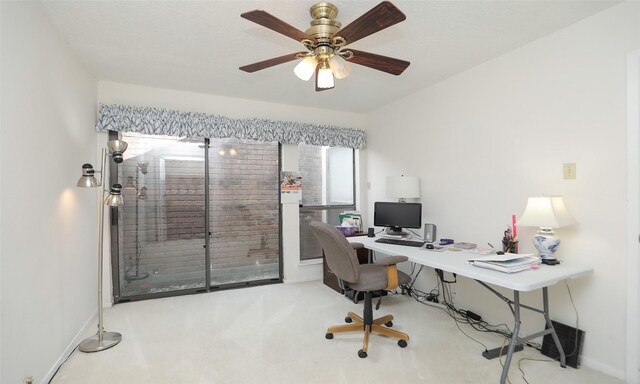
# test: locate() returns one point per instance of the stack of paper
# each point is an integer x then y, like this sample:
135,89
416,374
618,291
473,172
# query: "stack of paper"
508,263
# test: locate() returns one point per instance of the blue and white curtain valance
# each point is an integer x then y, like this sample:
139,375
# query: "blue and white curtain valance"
159,121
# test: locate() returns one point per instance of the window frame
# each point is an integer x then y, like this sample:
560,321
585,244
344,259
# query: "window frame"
327,207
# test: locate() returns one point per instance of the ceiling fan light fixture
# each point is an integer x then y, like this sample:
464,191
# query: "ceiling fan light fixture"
325,76
326,42
339,66
306,68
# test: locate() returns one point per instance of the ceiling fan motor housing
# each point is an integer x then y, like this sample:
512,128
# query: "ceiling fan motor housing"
324,23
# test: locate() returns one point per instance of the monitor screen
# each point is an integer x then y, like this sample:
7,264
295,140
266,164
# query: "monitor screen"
396,216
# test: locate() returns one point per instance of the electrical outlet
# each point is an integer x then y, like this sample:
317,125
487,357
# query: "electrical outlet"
28,380
569,171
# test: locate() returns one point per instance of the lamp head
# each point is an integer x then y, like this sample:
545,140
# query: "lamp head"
325,76
546,212
115,196
143,167
339,67
306,68
116,149
130,183
142,195
88,180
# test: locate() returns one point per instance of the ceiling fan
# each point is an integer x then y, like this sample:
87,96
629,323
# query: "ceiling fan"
326,56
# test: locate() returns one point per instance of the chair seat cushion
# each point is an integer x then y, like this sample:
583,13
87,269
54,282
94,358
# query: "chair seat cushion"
374,277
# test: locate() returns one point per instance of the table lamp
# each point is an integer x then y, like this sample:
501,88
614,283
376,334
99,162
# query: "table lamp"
546,213
403,187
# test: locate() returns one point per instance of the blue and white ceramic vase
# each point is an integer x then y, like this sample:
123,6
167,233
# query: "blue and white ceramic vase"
546,242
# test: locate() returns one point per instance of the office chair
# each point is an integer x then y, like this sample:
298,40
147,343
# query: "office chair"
367,278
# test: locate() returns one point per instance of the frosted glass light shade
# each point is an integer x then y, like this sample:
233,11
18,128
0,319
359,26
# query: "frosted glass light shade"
402,187
339,66
546,212
306,68
325,76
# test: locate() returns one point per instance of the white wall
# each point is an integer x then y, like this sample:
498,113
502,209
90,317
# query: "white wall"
485,140
633,224
49,227
117,93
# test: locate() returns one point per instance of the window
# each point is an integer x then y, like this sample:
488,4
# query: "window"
328,180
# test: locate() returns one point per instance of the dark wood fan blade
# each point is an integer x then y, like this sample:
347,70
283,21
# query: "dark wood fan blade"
275,24
379,62
271,62
378,18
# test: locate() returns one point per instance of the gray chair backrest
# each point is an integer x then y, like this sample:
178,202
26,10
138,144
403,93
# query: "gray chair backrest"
341,257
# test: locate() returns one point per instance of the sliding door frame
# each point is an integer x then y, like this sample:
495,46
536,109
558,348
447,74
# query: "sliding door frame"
115,248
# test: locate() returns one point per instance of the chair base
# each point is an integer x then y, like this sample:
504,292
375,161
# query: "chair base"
376,326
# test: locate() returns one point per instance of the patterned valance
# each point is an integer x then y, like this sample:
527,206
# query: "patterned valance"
159,121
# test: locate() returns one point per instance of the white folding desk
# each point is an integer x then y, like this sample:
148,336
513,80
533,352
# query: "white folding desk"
530,280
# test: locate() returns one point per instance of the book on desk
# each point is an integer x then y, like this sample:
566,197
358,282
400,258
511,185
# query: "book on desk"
508,263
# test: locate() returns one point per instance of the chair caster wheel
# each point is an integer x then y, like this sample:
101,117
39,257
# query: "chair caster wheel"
389,324
328,336
402,343
348,319
362,354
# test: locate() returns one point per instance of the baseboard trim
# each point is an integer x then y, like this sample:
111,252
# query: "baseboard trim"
87,329
598,366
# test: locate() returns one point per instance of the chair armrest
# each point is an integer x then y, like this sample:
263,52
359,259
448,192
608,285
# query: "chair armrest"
391,260
357,245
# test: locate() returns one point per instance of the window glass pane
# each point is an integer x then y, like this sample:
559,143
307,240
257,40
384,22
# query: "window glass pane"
161,225
309,246
327,180
327,175
244,205
339,176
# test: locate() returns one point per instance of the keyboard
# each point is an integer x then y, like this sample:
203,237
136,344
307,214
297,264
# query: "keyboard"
409,243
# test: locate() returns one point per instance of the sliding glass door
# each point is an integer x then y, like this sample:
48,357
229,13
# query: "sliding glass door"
179,200
244,207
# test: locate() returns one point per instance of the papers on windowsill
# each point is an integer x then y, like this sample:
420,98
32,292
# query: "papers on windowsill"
508,263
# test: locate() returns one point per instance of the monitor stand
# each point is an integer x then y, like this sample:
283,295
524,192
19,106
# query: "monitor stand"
395,231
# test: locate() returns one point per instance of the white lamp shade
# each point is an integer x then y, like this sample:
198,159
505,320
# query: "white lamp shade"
546,212
325,77
306,68
339,66
407,187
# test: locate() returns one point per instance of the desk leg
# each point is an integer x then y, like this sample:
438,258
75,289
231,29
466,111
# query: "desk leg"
514,337
545,303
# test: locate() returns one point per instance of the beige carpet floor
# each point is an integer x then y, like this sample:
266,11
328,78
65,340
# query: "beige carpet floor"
275,334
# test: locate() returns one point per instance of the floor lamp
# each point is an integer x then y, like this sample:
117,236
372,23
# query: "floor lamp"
102,340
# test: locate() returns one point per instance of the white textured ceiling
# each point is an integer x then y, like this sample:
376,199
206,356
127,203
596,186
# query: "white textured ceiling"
198,45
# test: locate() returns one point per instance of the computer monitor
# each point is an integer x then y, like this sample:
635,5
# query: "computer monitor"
396,216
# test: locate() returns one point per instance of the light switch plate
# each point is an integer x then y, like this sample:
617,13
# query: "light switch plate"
569,171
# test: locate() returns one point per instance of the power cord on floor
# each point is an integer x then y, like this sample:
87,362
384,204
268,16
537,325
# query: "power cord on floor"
61,364
575,347
462,316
